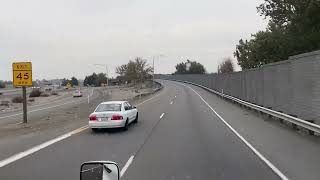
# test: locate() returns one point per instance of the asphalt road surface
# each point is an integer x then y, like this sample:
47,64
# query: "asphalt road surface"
179,136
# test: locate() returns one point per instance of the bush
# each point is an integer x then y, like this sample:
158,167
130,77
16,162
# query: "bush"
54,93
35,93
44,95
31,100
17,99
2,84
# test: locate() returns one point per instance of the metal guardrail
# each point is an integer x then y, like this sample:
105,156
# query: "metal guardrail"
299,122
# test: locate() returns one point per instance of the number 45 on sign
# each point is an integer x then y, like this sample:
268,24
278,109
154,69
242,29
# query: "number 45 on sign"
22,74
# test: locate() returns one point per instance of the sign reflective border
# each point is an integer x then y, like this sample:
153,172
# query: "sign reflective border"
22,73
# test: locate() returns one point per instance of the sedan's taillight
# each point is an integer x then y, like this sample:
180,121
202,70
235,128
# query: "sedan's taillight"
93,118
116,117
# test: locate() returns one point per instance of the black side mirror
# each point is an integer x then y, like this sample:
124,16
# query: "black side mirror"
133,107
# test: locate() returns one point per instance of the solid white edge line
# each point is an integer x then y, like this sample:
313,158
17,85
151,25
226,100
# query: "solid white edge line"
126,166
32,150
161,115
273,167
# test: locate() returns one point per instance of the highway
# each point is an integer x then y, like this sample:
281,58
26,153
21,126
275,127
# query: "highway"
184,132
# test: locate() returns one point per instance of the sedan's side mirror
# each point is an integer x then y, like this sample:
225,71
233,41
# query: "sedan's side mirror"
133,107
99,170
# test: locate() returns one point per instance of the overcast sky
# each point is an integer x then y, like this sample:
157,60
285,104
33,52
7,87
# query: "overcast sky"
66,37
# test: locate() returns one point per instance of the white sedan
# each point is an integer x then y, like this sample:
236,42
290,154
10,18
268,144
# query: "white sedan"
113,114
77,93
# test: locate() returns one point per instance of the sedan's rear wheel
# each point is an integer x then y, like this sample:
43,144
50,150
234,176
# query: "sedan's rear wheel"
125,127
136,119
94,129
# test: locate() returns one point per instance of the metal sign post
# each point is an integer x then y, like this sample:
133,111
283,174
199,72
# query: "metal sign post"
22,77
24,95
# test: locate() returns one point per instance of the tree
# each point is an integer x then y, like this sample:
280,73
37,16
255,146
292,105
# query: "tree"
195,68
299,19
131,74
265,47
65,82
135,71
95,79
181,68
91,80
102,79
294,28
74,81
143,69
190,67
226,66
121,70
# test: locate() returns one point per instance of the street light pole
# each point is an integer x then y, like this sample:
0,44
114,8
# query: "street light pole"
153,68
153,58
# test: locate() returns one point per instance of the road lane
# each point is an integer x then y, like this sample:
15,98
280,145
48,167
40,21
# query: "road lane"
191,142
106,145
294,152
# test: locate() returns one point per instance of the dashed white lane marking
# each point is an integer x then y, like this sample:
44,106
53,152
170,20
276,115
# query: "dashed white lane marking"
126,166
162,115
39,147
171,102
264,159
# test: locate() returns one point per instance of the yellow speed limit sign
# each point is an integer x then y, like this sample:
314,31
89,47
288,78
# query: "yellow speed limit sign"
22,73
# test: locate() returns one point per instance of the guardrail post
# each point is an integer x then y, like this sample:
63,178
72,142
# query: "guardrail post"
294,126
311,132
281,120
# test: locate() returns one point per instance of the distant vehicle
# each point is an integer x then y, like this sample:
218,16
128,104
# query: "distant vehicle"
77,93
113,114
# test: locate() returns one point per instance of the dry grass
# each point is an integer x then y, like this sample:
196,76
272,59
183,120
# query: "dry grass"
17,99
35,93
44,95
31,100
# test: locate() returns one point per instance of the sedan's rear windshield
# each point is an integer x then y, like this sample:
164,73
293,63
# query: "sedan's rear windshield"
108,107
